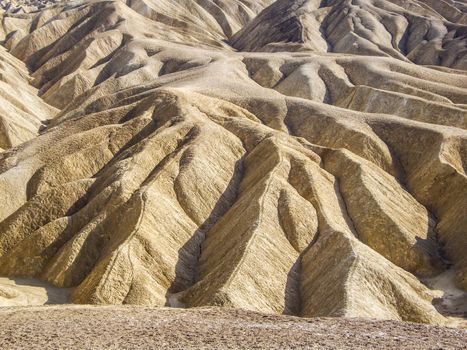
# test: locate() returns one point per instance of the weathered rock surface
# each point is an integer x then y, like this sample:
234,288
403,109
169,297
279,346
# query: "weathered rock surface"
22,112
426,32
315,167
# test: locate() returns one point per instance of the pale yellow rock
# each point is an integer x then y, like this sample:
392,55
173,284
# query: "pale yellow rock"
404,30
22,112
30,292
293,156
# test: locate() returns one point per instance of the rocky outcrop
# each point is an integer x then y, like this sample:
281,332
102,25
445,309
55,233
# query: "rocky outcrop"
22,112
425,32
322,174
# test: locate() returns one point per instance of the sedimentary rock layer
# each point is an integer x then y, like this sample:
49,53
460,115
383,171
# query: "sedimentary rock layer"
296,157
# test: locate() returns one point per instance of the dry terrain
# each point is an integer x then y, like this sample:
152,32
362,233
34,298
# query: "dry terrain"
298,157
120,327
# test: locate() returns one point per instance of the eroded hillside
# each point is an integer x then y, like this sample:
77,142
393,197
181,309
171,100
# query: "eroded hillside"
290,156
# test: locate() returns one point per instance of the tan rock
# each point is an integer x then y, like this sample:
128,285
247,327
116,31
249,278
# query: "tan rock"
316,167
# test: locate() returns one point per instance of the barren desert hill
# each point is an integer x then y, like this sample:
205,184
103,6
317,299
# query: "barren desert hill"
298,157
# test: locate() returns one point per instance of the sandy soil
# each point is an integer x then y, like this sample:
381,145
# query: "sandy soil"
30,292
112,327
450,299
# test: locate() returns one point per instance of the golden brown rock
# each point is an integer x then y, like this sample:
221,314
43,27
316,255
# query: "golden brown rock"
316,167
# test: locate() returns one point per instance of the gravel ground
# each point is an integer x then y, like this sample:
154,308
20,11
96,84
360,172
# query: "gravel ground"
124,327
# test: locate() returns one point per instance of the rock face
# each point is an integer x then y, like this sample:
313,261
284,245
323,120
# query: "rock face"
427,32
22,112
299,157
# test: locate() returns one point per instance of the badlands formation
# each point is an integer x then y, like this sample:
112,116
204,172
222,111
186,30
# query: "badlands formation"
298,157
